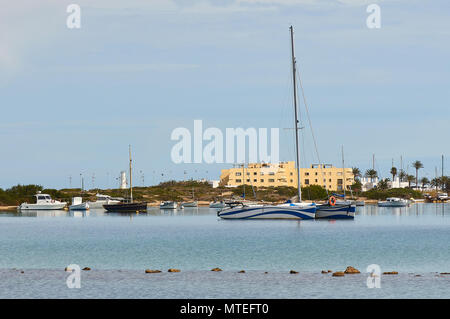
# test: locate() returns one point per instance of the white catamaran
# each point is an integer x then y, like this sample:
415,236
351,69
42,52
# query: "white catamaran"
284,211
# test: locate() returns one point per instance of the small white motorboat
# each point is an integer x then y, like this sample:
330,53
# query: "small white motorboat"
168,205
216,204
42,202
77,204
393,202
103,200
189,204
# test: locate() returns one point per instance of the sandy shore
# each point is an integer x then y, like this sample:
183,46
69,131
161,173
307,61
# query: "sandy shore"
8,208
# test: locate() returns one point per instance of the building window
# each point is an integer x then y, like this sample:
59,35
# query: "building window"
292,180
306,181
316,180
271,173
248,180
316,173
255,180
262,180
306,173
339,181
255,173
238,181
292,173
262,173
238,174
330,180
271,180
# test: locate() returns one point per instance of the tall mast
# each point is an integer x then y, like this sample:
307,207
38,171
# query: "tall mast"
296,116
343,169
131,182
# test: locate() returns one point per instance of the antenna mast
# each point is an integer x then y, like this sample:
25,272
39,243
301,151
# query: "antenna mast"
296,116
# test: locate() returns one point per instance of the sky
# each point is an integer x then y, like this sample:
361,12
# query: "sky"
72,100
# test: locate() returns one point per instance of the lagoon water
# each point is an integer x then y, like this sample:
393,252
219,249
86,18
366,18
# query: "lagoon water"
413,241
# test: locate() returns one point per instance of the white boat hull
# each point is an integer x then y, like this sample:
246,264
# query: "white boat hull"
390,204
172,205
99,204
189,204
83,206
285,211
339,211
217,205
48,206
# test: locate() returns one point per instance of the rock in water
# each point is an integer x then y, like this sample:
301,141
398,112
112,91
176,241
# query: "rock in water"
242,272
293,272
338,274
351,270
216,269
151,271
86,268
173,270
390,273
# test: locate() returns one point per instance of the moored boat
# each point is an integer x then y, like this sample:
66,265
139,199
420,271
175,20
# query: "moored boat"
260,211
127,207
42,202
123,207
393,202
189,204
77,204
168,205
103,200
217,204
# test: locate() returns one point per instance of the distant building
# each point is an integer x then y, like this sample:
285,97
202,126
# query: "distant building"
368,183
214,183
123,180
397,184
285,174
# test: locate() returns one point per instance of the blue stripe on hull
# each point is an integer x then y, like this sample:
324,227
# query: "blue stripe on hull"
336,212
291,213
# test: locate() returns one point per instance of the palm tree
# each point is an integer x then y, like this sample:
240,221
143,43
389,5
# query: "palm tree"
383,184
356,172
424,181
393,172
417,165
371,173
409,179
402,175
435,182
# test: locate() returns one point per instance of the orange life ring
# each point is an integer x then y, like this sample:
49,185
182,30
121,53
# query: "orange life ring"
332,201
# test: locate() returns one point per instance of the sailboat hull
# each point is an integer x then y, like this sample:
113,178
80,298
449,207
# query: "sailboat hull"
268,212
338,211
126,207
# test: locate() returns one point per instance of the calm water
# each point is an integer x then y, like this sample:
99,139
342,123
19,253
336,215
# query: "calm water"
414,240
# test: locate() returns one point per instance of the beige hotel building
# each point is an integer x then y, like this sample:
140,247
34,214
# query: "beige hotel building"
285,174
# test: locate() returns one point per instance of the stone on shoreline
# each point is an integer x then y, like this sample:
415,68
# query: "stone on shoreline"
324,272
242,272
86,268
338,274
173,270
390,273
151,271
293,272
216,269
351,270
